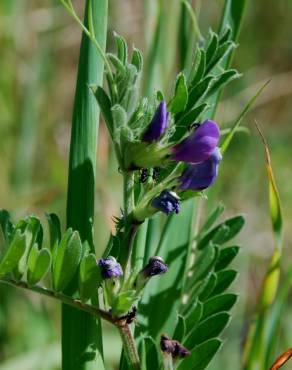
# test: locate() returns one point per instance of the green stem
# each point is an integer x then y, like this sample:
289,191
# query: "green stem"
81,332
61,297
130,227
129,347
167,362
129,184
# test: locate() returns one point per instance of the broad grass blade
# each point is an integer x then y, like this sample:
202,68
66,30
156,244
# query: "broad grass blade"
81,333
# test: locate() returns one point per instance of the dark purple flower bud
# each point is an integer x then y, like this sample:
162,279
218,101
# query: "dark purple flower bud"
180,351
167,202
110,268
173,347
166,344
201,176
199,145
155,266
158,124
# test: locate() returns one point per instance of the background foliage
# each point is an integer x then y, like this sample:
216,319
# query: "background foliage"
39,52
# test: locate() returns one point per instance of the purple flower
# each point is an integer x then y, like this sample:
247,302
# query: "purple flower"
201,176
167,202
110,268
155,266
173,347
199,145
158,124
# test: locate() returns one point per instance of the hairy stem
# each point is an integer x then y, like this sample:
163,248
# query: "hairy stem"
61,297
130,347
129,184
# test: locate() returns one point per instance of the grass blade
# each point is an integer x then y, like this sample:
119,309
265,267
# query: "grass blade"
81,333
232,18
238,121
258,345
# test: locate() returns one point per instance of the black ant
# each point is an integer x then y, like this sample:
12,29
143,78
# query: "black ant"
131,315
156,173
145,174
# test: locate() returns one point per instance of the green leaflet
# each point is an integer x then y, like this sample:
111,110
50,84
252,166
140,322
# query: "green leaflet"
6,226
180,329
38,264
212,218
117,63
33,234
89,277
201,355
224,279
122,48
204,263
226,256
105,107
198,67
223,49
194,316
208,287
54,229
223,79
207,329
180,99
223,302
212,48
66,259
222,233
199,91
13,253
137,59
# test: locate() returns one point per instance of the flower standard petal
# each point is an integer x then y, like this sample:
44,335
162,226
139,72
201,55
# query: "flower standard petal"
198,147
201,176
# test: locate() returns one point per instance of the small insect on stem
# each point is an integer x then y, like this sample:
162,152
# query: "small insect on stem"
156,173
194,126
131,316
144,174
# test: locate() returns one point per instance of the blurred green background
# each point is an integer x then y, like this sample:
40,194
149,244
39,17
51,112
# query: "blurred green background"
39,46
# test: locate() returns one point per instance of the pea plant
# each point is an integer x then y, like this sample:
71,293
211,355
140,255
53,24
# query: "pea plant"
163,277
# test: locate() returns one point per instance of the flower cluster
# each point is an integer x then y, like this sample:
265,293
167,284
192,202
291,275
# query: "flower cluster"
112,272
199,151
